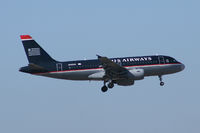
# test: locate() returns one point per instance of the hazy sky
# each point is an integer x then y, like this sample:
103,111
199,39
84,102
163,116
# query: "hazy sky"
70,30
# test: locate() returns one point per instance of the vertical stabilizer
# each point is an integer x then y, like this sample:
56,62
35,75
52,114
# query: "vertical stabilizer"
34,52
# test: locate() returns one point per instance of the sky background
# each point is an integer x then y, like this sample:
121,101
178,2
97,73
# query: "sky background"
71,30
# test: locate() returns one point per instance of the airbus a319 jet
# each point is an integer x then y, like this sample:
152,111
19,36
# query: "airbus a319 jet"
123,71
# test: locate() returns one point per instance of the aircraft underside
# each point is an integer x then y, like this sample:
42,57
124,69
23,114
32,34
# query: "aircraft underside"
99,75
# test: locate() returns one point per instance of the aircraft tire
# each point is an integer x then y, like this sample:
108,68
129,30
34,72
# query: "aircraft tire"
104,89
162,83
110,85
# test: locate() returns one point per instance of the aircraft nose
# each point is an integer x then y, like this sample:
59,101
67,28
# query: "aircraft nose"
182,67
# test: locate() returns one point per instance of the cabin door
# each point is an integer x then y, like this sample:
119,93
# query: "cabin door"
161,59
59,66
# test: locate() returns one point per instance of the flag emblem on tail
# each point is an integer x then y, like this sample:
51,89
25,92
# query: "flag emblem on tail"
33,51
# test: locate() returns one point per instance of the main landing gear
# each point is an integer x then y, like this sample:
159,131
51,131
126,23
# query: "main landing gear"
161,82
110,85
105,88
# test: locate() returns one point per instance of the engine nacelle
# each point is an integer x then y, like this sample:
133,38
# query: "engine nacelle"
125,82
138,74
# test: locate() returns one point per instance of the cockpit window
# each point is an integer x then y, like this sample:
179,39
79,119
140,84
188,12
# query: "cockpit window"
174,60
170,60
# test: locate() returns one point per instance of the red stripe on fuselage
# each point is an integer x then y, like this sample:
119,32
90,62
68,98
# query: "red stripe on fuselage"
102,68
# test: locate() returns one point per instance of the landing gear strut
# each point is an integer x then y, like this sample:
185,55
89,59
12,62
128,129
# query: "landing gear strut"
161,82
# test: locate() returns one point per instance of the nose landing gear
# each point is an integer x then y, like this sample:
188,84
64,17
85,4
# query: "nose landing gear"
161,82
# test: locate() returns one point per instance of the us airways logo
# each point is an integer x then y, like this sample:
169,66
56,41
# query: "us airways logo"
33,51
132,59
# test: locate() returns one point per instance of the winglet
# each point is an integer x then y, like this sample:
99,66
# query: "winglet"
26,37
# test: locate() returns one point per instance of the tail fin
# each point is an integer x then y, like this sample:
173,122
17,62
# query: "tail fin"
34,52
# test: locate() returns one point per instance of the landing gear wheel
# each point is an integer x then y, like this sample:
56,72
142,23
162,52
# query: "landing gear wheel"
111,85
162,83
104,89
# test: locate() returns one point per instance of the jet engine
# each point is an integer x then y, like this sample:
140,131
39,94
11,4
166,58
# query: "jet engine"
125,82
138,74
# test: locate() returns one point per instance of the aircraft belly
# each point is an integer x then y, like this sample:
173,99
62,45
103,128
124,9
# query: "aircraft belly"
72,75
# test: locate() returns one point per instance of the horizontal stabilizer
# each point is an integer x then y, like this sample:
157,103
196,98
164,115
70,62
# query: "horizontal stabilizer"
36,67
33,68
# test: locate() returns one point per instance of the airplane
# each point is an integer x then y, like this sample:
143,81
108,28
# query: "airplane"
123,71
